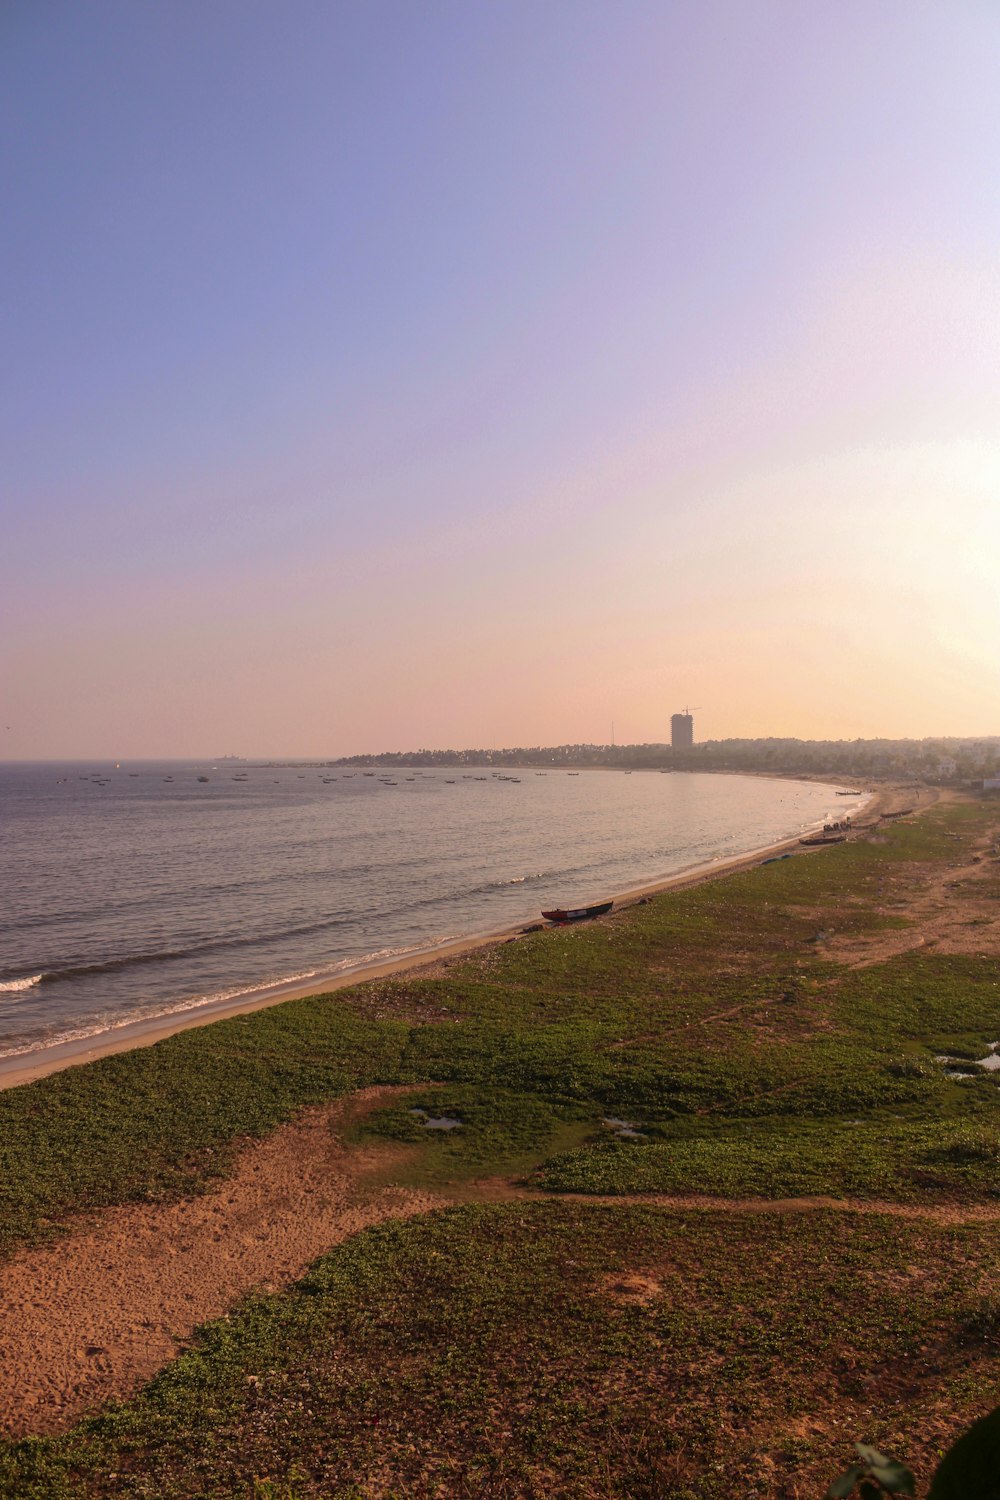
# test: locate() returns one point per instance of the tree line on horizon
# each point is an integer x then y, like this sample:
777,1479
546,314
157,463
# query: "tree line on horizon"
935,759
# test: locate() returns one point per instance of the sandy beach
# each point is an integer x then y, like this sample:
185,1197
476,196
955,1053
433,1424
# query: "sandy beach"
26,1067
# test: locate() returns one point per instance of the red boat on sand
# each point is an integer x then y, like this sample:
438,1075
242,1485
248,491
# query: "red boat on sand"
578,913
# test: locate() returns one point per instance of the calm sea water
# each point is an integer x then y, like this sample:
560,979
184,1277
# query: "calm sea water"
139,891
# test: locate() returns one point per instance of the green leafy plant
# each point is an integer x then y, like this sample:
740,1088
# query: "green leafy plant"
272,1489
873,1476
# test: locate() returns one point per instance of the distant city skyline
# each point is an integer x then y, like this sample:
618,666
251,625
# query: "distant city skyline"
974,750
448,375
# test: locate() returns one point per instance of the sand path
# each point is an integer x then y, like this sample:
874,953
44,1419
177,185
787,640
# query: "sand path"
96,1314
946,1214
954,910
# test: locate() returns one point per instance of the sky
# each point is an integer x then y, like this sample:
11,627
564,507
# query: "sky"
381,375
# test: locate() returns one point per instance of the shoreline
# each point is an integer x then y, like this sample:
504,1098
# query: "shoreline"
26,1067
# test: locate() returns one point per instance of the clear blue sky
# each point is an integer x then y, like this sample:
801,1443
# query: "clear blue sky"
388,374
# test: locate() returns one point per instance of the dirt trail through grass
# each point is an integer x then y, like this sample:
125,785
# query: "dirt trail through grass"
98,1313
937,919
935,1213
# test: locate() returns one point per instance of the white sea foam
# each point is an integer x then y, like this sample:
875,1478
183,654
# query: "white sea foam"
285,981
14,986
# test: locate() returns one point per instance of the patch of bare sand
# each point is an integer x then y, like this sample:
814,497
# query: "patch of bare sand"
952,911
95,1315
634,1288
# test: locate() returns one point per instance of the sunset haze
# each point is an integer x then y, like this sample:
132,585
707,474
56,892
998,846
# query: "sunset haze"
382,376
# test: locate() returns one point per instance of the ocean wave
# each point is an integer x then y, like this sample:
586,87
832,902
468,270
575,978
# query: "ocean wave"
13,986
102,1025
169,955
114,963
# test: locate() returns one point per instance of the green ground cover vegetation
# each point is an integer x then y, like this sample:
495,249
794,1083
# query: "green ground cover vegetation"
751,1060
563,1350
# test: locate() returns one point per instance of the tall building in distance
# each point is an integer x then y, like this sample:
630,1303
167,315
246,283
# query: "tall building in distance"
681,731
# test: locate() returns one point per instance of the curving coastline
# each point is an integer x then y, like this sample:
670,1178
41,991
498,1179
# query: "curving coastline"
20,1068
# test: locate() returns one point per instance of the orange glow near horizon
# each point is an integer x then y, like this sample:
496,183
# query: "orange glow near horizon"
658,369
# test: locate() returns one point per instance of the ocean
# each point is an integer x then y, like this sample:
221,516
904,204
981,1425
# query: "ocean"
142,890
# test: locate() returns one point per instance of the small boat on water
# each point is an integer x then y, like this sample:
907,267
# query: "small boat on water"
578,913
